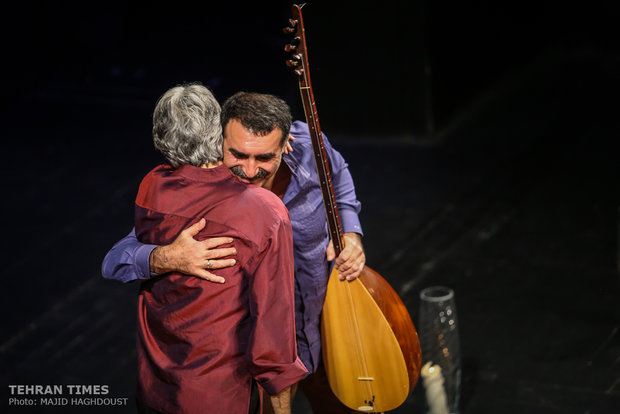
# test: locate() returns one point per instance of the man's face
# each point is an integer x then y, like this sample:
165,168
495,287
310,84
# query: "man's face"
254,159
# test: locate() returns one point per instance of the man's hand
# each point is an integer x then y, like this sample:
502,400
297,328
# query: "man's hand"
288,147
281,402
352,258
187,255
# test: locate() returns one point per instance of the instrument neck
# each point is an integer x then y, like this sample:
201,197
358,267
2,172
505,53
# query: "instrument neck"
322,164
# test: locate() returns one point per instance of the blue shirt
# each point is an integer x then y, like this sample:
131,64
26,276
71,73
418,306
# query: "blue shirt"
129,259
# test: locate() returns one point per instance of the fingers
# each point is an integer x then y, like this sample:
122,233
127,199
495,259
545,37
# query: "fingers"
220,253
330,253
192,257
194,229
220,264
210,277
345,256
351,260
352,272
212,265
288,147
215,242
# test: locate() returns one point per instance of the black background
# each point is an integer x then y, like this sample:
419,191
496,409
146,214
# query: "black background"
481,137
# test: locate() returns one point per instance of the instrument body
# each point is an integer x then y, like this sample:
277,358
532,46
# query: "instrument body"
363,360
370,347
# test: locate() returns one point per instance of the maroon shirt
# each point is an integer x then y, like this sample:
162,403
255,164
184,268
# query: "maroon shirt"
199,343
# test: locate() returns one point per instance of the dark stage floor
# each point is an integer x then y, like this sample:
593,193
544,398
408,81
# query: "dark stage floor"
514,206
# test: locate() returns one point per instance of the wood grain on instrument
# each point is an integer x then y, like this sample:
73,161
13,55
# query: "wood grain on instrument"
365,366
397,315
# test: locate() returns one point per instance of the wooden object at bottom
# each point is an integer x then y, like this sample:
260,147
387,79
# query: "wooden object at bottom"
364,362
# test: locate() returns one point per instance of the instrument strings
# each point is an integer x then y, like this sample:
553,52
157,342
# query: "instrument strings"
333,222
361,357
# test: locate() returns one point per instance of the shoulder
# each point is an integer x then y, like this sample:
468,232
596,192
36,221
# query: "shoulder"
300,130
153,178
263,205
302,146
159,171
260,216
303,153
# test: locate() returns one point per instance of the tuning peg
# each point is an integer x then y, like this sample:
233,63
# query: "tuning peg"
295,40
290,48
291,29
291,63
299,71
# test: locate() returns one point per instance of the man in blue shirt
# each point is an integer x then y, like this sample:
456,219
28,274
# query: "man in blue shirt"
295,181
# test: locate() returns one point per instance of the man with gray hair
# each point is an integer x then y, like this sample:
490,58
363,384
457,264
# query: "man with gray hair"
256,127
202,346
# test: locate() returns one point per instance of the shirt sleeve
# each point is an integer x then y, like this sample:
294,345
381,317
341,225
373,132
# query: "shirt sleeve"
272,348
128,260
348,205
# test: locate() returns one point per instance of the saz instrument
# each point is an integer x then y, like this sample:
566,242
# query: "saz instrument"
371,350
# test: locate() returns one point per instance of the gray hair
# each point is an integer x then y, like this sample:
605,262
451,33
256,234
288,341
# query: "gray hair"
186,126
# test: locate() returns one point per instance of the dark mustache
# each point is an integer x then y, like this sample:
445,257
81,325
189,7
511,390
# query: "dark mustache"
238,171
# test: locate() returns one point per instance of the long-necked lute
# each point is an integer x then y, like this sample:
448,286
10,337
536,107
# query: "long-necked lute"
370,346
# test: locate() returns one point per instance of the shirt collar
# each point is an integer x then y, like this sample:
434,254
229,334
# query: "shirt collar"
219,173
